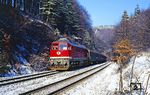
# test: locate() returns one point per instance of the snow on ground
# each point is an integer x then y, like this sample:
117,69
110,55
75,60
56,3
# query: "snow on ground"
99,84
107,81
15,89
141,71
103,83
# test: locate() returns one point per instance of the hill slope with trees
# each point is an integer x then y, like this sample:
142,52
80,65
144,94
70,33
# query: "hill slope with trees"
28,26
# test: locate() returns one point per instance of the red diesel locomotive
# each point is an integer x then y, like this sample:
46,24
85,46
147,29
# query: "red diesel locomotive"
66,55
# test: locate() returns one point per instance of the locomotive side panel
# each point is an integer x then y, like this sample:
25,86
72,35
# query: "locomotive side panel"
79,56
78,53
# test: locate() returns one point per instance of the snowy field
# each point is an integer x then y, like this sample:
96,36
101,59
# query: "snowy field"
107,81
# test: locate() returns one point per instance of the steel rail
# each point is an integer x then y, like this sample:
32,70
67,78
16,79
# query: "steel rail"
26,77
62,84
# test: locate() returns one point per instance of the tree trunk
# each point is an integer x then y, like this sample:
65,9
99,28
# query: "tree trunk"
15,4
24,5
28,4
10,2
18,4
4,2
120,81
147,84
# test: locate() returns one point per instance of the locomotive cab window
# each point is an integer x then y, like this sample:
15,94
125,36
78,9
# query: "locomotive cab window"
63,46
54,47
69,48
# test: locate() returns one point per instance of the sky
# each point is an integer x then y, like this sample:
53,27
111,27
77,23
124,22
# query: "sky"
109,12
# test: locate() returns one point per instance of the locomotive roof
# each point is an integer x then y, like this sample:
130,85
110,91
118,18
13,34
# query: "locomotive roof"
71,43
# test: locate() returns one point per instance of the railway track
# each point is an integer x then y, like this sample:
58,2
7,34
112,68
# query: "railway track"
26,77
58,86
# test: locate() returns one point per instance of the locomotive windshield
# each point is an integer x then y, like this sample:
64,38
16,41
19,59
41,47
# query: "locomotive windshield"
63,46
54,46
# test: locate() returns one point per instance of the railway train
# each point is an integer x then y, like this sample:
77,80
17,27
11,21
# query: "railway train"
66,55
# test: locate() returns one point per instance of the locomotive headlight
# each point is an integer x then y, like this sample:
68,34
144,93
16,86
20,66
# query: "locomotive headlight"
58,52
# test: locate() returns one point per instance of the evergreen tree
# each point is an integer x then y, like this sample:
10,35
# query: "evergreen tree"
68,16
137,11
87,39
125,24
46,9
122,31
125,16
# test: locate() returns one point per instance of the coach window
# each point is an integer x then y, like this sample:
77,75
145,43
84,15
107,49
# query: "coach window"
63,47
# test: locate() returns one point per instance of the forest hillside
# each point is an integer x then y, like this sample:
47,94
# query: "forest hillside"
28,27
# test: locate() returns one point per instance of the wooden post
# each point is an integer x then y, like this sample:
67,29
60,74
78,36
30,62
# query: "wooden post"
121,80
147,84
132,72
